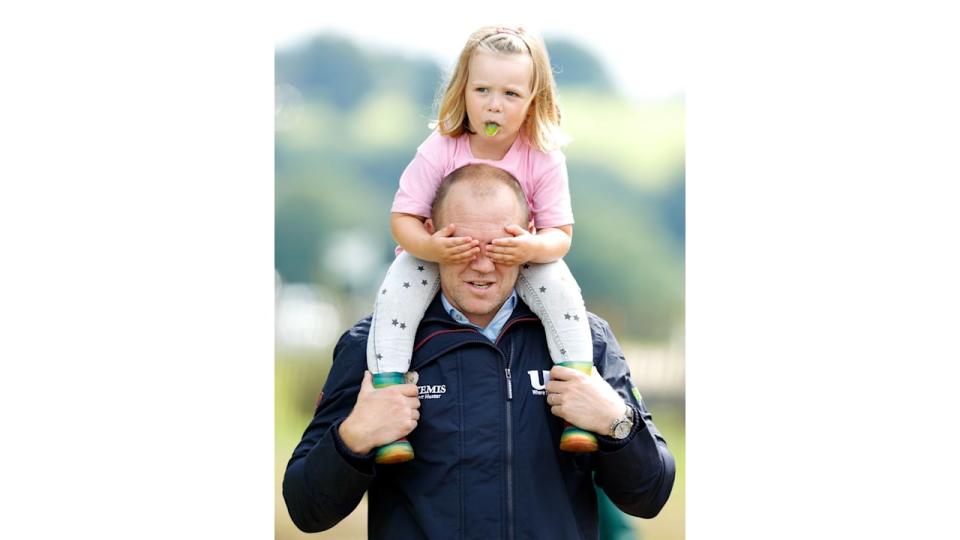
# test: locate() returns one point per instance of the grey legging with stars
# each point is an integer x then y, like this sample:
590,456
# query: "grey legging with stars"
410,285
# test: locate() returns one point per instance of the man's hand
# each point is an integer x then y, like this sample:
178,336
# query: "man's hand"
589,403
445,248
518,248
380,416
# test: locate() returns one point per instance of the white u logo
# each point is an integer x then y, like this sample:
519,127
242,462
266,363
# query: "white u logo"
535,380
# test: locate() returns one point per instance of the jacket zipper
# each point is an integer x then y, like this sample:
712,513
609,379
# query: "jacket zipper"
509,403
509,445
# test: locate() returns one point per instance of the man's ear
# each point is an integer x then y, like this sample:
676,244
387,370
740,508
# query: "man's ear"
429,225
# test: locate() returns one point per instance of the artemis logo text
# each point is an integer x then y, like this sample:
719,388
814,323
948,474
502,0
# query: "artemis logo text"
432,391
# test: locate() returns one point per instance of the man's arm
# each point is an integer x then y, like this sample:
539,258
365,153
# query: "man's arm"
332,466
637,472
320,486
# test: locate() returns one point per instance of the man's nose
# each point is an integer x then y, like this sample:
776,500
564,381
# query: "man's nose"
482,263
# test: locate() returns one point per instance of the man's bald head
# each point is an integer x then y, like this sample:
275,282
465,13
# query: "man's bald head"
483,183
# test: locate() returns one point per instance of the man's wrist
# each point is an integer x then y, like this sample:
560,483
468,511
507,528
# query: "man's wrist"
351,439
624,411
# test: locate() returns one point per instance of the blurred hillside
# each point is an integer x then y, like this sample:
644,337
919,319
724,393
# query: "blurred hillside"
349,120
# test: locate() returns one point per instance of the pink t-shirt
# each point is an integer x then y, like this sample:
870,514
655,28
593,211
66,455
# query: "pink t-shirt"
543,177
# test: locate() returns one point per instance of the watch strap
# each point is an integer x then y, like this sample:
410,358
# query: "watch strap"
629,415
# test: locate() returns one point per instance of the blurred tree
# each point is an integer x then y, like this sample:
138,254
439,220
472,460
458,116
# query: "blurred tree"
418,78
629,267
298,232
575,66
328,68
334,69
672,206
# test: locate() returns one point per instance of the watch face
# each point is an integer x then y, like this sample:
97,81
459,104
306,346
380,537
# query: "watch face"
622,430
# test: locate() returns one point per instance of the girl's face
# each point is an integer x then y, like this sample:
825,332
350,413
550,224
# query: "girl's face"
498,90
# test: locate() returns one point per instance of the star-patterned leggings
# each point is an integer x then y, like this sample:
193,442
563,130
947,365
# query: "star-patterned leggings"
411,284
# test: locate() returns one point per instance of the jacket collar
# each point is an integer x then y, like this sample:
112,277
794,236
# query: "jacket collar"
436,313
439,333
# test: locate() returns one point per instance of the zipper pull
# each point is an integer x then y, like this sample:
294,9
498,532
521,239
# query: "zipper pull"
509,385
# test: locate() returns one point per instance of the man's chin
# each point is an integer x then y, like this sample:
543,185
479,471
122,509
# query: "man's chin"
477,309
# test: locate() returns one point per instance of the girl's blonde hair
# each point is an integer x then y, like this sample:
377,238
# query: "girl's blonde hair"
542,125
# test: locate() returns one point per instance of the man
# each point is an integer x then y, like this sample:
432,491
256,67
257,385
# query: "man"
484,414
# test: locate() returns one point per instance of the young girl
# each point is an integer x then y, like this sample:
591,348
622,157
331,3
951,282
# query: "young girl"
499,108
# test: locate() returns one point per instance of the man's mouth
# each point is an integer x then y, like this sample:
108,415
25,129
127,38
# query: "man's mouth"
482,285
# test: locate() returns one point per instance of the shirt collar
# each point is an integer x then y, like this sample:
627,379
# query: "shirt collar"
496,324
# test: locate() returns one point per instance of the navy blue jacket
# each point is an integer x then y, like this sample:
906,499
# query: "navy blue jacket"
487,460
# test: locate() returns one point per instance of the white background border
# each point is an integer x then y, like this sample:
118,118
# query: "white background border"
136,212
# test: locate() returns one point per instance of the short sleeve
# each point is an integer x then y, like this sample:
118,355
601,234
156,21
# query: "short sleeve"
421,178
551,196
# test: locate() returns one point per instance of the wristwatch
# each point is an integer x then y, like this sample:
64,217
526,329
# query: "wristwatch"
621,427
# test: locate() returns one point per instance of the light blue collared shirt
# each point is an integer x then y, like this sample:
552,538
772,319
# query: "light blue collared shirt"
496,324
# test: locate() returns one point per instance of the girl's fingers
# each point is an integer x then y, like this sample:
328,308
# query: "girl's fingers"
464,256
459,241
456,250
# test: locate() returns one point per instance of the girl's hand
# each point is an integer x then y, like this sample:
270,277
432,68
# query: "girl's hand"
449,249
518,248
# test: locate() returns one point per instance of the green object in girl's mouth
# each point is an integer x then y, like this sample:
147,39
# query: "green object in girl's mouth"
491,128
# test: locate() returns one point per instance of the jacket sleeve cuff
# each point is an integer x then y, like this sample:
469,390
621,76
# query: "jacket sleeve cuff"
609,444
362,463
323,487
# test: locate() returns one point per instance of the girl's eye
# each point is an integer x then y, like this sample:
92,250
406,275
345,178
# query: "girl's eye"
482,90
509,93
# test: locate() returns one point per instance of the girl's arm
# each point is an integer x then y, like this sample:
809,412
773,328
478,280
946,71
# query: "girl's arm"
548,245
409,231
